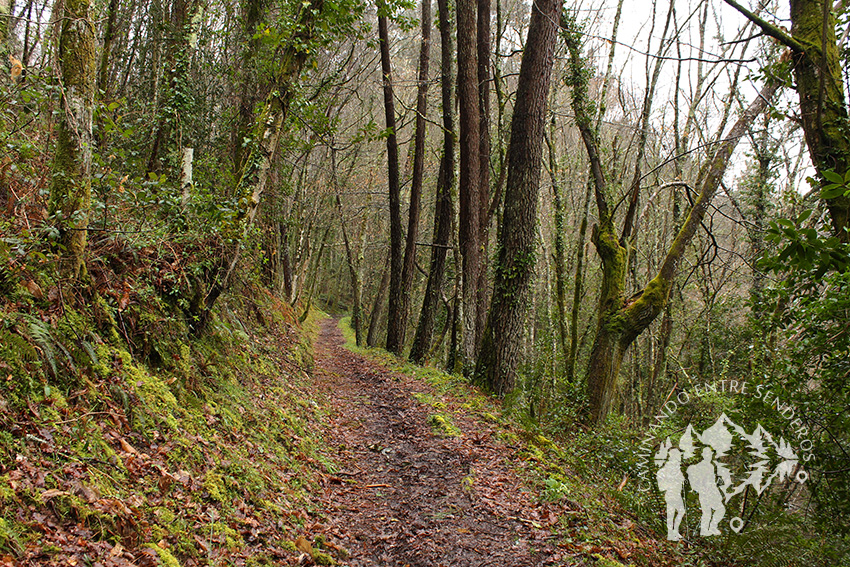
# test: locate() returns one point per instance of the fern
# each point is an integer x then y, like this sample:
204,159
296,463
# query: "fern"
51,347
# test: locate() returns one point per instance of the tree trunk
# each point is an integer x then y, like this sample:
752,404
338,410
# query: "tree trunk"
396,261
251,88
4,25
469,178
559,260
255,175
823,108
623,320
108,40
378,306
408,268
816,60
444,208
500,348
70,192
354,273
578,286
177,58
484,212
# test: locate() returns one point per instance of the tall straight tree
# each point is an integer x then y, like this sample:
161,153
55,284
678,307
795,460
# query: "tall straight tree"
252,85
177,100
500,349
393,187
108,40
5,9
484,210
469,236
70,192
444,209
395,341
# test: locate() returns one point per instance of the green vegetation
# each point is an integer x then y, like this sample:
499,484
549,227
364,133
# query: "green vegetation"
146,436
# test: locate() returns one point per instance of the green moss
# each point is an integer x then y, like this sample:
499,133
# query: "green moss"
321,558
232,539
165,556
215,487
10,539
7,493
442,425
603,561
165,515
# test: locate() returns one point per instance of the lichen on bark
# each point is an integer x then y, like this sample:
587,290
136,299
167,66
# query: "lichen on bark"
70,192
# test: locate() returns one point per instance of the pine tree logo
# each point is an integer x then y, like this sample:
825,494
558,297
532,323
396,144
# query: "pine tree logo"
711,477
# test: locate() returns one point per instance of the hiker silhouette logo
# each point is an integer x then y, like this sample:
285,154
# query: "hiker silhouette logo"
700,463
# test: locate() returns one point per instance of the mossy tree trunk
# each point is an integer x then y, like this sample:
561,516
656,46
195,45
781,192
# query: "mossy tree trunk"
268,129
497,362
620,319
5,6
559,260
70,192
108,40
816,61
252,87
177,99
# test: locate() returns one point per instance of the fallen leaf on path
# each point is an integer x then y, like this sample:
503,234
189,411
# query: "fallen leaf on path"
304,546
127,447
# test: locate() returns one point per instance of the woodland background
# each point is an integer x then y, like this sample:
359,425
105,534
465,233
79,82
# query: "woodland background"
583,208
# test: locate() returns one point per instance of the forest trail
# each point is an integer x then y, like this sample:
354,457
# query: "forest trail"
409,497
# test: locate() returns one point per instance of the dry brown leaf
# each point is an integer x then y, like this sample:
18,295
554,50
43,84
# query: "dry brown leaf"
34,289
116,551
304,546
124,301
52,493
17,68
127,447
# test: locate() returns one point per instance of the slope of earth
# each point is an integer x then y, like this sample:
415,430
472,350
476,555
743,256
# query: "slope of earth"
427,482
210,456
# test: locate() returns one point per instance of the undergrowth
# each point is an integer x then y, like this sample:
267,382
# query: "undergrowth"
125,439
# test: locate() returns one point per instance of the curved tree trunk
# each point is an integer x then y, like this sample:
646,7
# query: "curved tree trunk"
500,348
623,320
816,60
255,175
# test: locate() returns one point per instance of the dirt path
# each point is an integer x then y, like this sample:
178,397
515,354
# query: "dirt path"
408,497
